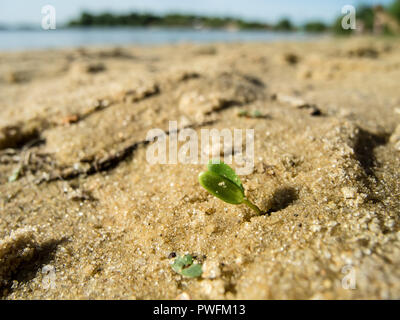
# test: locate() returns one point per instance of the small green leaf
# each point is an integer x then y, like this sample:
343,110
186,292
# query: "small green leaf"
195,270
187,260
181,262
222,182
226,171
243,113
184,265
221,187
15,175
177,266
257,114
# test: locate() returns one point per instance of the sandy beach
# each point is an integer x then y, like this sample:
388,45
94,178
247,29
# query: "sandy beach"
84,215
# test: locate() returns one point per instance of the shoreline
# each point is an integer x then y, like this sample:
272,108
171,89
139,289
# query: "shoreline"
73,38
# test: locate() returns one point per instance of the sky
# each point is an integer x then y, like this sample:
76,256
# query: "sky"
15,12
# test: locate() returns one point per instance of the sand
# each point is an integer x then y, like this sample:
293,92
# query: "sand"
84,215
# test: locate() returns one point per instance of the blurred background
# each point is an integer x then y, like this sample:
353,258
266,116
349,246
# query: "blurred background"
121,22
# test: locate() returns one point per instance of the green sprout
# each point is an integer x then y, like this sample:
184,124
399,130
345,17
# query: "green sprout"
243,113
247,114
15,174
257,114
184,265
221,181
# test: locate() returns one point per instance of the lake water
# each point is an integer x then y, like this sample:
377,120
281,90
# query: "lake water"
42,39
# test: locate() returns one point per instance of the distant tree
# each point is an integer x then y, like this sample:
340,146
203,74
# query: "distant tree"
366,15
315,26
253,25
394,9
105,19
284,25
338,29
86,19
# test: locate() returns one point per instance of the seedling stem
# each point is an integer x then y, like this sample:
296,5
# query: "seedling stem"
252,206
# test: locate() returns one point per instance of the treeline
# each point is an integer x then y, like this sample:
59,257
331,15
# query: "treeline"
135,19
377,19
170,20
192,21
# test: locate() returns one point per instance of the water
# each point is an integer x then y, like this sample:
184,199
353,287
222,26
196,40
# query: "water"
59,38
